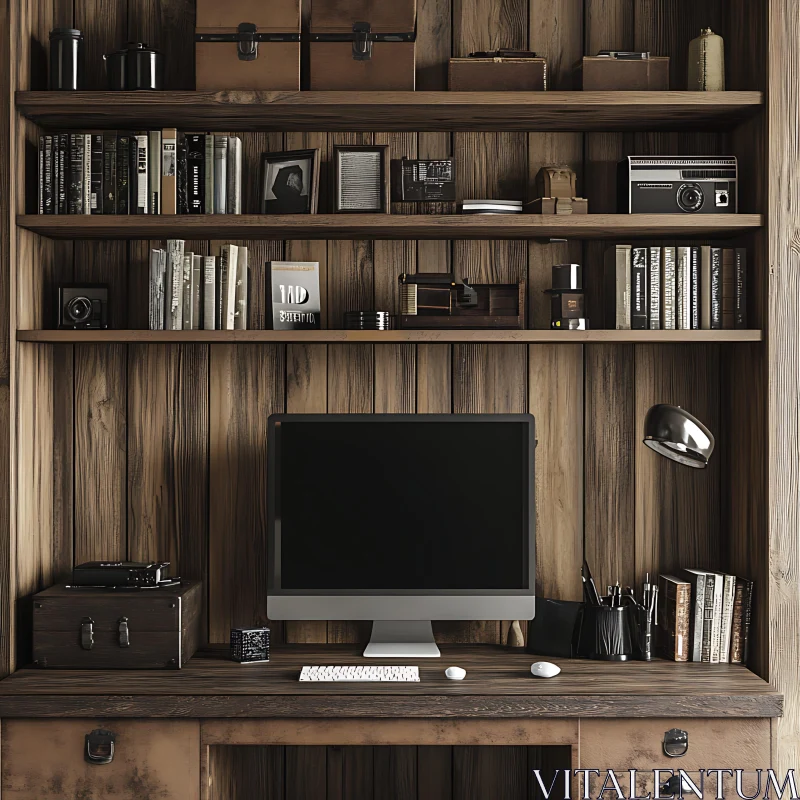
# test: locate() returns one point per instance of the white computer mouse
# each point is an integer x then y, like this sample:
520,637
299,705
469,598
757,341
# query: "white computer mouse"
544,669
455,673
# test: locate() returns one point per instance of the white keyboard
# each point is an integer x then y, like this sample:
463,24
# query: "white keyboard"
337,674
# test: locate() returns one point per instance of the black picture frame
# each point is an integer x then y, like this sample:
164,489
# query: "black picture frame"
295,174
382,204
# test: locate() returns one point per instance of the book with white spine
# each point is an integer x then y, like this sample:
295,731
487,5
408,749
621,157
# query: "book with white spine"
175,284
196,291
209,173
654,289
234,176
158,268
230,256
209,293
220,174
728,594
683,290
87,173
668,288
188,301
242,270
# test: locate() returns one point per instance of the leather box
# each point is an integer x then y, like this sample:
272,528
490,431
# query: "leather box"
117,628
362,45
497,75
598,73
247,44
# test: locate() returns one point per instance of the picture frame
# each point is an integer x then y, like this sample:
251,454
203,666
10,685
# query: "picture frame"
290,182
361,179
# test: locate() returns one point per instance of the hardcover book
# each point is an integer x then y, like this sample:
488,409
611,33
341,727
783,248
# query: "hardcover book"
110,173
154,171
174,288
242,270
639,294
674,617
208,171
697,582
740,627
617,280
694,277
704,609
728,592
716,627
197,291
728,288
705,288
716,288
188,300
668,274
47,193
654,289
220,174
183,175
196,165
169,171
62,176
740,278
142,176
87,173
228,262
123,174
294,295
234,176
75,190
683,290
158,270
96,160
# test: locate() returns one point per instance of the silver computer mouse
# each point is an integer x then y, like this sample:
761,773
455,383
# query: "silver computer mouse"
544,669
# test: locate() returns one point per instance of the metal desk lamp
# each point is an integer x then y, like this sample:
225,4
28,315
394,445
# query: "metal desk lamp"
675,433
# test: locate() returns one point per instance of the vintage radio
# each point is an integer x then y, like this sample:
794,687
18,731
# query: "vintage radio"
617,71
363,45
501,71
247,44
122,628
420,180
678,185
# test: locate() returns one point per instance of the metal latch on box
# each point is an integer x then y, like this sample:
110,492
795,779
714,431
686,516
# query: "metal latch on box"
247,46
362,45
246,39
676,743
87,633
124,633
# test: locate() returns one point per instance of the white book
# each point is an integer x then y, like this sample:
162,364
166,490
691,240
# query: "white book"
698,580
209,293
234,191
705,288
169,171
196,290
220,174
209,173
683,289
158,268
154,171
668,288
654,289
230,257
142,182
716,624
188,301
87,173
175,284
242,269
728,593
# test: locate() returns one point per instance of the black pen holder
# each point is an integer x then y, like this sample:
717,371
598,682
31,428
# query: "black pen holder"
605,633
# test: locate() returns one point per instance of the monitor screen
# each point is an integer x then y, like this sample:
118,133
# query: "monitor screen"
401,503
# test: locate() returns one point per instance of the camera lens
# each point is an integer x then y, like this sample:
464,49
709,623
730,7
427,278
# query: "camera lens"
690,197
79,310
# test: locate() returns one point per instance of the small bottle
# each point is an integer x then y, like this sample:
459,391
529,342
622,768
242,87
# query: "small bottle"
707,63
66,59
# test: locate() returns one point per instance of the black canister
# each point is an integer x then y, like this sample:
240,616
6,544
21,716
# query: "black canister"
134,67
66,59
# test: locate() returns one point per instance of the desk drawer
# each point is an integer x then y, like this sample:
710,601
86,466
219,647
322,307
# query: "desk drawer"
44,759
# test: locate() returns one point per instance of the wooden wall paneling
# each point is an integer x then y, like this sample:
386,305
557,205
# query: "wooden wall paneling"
246,386
305,772
549,760
350,773
395,772
480,772
240,772
783,357
435,768
105,29
555,32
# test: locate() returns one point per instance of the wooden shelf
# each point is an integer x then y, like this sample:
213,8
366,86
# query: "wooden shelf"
393,111
389,226
387,337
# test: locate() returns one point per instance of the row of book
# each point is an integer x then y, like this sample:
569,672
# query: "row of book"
676,288
705,616
193,292
142,172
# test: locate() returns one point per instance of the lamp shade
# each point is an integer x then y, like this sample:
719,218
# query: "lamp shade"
676,434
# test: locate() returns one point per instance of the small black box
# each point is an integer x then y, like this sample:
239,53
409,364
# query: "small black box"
250,645
83,306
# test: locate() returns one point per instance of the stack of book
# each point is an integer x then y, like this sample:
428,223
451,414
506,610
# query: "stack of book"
705,616
143,172
676,288
491,207
191,292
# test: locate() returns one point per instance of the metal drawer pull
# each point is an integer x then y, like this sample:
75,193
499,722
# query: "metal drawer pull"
99,747
87,634
124,633
676,743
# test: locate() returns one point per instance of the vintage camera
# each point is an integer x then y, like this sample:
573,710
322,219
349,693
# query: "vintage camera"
418,180
83,306
678,185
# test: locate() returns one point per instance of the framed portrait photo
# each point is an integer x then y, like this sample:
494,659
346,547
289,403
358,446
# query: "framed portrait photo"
290,182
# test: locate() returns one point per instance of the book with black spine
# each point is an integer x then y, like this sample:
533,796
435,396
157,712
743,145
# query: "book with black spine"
197,290
75,191
158,269
668,275
124,173
96,179
110,173
242,288
220,174
169,171
683,289
639,295
140,176
154,171
222,284
654,289
617,287
740,286
174,288
705,288
234,165
62,174
698,581
728,288
209,293
747,616
188,300
695,288
183,175
40,198
208,171
716,288
195,166
728,592
47,186
87,173
674,617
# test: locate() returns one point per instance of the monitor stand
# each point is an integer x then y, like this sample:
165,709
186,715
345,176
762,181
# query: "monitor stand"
402,639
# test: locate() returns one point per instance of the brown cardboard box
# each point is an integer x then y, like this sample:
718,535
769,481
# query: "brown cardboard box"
598,73
497,75
219,64
363,45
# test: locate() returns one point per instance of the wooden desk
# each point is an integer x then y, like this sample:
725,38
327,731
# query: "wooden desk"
597,714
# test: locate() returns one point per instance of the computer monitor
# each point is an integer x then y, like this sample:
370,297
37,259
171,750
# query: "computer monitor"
401,519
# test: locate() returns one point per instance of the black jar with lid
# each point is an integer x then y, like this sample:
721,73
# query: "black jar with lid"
66,59
134,67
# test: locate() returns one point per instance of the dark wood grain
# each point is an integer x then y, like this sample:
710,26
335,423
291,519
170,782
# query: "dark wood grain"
239,773
480,772
306,772
395,111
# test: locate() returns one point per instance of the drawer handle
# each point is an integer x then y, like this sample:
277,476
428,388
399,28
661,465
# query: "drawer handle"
676,743
87,633
99,747
124,633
